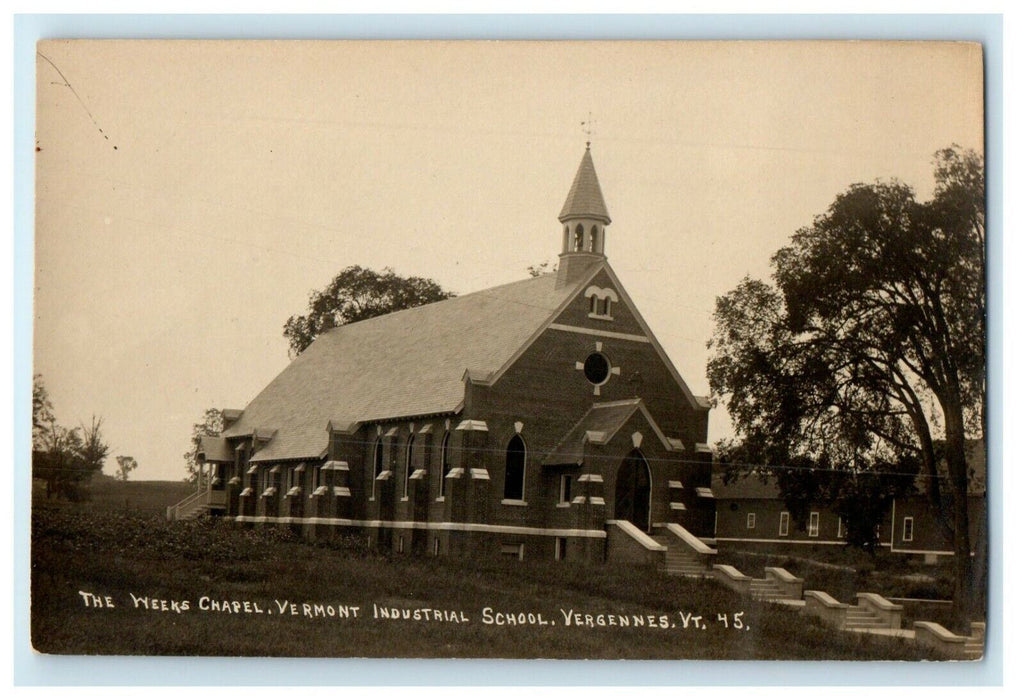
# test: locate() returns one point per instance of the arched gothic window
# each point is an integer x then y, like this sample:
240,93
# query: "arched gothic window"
515,469
577,244
446,464
378,465
593,239
408,463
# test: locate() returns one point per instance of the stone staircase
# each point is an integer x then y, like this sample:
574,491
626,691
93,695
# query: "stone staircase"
860,619
681,559
974,647
766,589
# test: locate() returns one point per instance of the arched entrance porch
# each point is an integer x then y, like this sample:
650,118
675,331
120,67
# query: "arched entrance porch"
633,491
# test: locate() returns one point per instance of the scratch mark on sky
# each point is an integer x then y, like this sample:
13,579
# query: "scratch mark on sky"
70,87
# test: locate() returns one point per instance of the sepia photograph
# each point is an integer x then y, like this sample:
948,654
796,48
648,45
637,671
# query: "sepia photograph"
510,350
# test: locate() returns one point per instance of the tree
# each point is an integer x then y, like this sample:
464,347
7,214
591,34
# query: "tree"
94,451
42,412
869,348
66,459
357,294
69,458
211,424
542,269
125,466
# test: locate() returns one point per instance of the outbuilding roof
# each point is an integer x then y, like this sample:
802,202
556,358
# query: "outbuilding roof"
408,363
745,485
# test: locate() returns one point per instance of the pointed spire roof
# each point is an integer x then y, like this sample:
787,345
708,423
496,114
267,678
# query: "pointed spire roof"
585,200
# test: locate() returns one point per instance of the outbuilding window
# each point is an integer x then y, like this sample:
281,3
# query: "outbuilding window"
908,529
812,525
783,524
751,520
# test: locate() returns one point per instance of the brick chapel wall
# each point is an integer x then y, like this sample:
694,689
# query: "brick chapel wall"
545,391
578,311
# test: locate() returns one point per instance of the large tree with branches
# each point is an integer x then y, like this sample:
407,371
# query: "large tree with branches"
357,294
868,350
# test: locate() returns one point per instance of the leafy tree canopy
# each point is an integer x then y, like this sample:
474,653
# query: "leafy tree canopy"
357,294
868,346
125,466
42,412
65,458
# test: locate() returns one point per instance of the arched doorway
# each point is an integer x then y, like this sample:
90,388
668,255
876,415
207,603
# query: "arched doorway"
633,491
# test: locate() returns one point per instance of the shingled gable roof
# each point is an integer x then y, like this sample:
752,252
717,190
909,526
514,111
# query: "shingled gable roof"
599,425
408,363
585,200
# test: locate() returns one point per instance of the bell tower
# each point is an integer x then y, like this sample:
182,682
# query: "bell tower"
584,217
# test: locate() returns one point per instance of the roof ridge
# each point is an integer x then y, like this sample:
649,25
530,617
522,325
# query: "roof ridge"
619,402
455,298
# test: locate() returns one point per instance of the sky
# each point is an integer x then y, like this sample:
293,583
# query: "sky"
190,195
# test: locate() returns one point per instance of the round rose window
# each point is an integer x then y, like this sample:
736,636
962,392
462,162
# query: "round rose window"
596,368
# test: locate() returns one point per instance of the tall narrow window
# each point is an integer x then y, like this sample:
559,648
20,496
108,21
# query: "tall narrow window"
812,525
378,465
515,469
751,521
408,463
593,239
428,444
565,489
577,244
446,464
839,530
783,524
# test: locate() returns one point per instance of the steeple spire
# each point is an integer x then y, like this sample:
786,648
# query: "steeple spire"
585,200
584,217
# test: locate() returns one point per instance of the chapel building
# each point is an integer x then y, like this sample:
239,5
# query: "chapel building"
539,419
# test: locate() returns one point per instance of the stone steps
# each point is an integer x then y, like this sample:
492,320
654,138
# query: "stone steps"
858,619
765,589
974,648
678,560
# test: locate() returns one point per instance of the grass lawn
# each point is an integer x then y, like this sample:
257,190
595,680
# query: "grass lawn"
107,494
179,568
